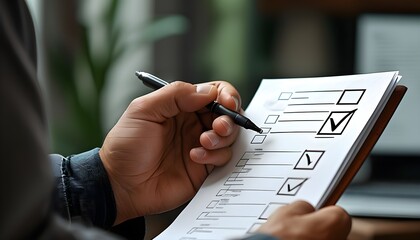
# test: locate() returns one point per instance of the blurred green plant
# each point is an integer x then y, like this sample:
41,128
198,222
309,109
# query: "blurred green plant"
80,75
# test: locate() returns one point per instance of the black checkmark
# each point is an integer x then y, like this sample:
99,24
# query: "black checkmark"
335,126
289,189
308,158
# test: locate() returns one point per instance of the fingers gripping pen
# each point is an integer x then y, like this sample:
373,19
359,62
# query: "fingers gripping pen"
215,107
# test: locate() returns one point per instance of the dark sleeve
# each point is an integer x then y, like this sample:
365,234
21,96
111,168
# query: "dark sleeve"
26,179
84,193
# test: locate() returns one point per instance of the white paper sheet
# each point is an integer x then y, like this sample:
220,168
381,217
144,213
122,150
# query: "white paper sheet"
313,128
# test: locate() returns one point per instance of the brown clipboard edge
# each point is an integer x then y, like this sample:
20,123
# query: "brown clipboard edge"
369,143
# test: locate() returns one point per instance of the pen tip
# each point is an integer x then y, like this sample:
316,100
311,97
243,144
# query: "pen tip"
252,126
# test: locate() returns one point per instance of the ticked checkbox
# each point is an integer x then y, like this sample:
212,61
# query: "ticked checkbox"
309,159
336,122
291,186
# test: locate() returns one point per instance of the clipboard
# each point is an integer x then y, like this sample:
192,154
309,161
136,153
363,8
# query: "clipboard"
369,143
281,165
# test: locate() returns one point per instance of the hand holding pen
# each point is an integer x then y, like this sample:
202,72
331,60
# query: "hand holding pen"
156,83
164,146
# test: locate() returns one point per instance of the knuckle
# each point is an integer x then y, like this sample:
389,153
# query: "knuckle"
305,205
340,217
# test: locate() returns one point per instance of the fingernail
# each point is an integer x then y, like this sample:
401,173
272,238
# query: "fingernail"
203,88
227,126
213,138
198,153
236,103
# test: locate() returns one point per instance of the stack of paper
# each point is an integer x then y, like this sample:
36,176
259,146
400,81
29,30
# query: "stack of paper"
313,128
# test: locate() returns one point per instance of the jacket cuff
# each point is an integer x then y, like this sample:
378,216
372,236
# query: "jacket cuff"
84,192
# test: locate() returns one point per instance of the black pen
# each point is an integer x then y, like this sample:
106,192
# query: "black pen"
215,107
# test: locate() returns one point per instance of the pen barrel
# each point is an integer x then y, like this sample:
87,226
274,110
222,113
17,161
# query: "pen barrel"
221,110
156,83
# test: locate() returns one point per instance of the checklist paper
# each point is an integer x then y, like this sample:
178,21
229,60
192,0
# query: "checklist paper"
312,130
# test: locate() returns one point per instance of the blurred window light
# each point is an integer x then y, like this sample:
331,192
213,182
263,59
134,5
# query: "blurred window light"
388,42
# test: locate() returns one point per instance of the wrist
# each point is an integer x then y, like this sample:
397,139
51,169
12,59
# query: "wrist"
125,209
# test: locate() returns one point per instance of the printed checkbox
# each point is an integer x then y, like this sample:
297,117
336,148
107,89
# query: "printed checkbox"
258,139
242,162
285,96
309,159
351,97
291,186
254,227
271,119
222,192
206,216
271,207
212,204
266,130
232,181
336,122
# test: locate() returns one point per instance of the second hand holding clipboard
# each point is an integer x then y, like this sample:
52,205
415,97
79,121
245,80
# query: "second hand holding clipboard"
215,107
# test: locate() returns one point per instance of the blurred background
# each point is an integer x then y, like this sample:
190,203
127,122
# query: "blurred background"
89,51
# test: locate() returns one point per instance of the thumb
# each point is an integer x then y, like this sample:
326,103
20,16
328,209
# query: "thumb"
173,99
